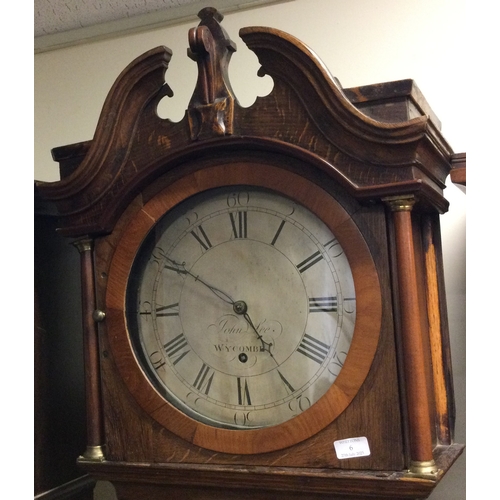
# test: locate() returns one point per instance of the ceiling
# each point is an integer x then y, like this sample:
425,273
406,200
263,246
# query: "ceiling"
61,23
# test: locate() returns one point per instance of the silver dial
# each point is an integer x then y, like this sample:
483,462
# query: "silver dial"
241,307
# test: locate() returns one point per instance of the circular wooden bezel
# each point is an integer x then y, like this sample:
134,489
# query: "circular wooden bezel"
368,309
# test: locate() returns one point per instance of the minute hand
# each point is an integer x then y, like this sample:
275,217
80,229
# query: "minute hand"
219,293
239,306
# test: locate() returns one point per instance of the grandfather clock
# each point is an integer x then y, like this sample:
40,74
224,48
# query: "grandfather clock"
264,310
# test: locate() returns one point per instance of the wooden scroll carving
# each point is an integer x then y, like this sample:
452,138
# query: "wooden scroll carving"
211,110
370,158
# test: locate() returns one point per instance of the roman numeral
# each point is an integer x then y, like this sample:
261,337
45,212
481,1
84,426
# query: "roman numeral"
278,232
313,348
243,392
171,310
323,304
309,262
239,224
204,379
202,237
175,348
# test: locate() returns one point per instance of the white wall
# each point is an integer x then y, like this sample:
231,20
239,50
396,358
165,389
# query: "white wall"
360,41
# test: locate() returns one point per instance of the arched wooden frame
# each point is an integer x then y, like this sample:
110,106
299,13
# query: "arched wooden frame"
368,314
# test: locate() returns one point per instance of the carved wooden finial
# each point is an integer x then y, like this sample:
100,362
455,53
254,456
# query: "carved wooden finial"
211,108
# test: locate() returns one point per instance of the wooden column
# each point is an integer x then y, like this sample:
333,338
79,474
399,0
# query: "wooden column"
442,374
94,450
422,460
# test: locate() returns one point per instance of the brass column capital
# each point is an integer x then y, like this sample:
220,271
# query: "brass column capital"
83,245
400,203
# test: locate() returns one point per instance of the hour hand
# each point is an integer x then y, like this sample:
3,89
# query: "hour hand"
266,346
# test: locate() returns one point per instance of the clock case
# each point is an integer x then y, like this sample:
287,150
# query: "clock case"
378,151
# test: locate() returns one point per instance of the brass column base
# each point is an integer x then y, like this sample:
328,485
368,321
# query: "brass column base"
93,454
425,470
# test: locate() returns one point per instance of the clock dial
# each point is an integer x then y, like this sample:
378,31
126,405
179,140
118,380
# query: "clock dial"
241,307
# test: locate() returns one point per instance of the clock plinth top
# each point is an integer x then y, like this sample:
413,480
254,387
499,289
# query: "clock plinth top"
371,149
